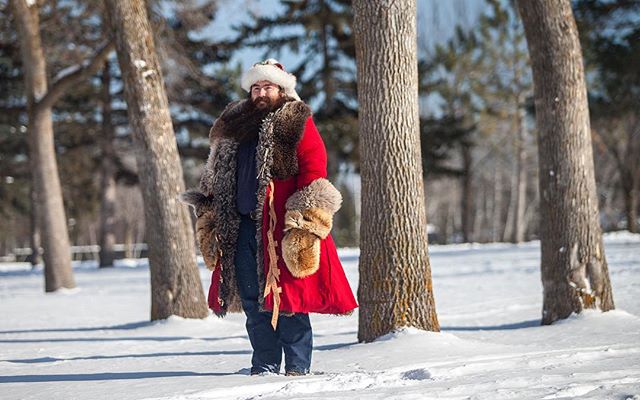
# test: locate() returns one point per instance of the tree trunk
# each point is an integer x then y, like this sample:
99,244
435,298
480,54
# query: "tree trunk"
520,189
467,195
629,169
395,276
497,206
631,202
108,182
175,282
573,264
51,214
34,226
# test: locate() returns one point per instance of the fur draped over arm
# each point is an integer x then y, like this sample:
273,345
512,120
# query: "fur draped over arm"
308,219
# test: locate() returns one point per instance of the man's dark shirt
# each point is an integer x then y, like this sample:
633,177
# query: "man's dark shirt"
246,177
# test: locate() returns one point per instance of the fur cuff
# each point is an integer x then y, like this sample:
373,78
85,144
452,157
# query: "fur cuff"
308,220
318,194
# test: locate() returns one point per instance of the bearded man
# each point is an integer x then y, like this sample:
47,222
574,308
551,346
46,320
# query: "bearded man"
264,214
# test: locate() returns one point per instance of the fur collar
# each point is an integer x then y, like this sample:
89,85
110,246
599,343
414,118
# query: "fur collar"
241,120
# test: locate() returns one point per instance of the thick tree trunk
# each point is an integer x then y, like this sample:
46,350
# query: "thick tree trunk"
395,276
50,208
108,182
175,282
574,268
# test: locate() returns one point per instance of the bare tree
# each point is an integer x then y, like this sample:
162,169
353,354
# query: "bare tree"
620,135
47,193
107,238
175,282
395,276
574,269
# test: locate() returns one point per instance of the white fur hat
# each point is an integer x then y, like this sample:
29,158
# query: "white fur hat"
270,70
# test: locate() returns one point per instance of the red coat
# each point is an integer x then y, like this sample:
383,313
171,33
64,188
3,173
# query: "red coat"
326,291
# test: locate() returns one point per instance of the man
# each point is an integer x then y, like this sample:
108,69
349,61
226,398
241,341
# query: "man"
265,211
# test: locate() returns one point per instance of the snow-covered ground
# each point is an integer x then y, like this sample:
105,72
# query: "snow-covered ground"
95,342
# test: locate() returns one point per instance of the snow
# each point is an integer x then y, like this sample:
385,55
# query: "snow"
72,69
96,342
140,64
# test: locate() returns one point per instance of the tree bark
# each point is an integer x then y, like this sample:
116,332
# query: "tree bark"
108,182
50,208
395,276
573,264
175,283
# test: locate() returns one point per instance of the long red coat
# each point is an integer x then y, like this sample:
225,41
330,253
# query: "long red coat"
327,290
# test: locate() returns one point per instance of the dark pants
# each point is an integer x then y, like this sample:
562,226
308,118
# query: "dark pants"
293,334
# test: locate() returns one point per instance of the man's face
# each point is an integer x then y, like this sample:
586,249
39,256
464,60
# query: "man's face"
264,94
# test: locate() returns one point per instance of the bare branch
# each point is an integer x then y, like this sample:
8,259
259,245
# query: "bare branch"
60,87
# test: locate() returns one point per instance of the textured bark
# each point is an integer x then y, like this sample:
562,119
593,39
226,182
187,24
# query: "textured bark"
395,276
49,204
573,265
107,179
175,282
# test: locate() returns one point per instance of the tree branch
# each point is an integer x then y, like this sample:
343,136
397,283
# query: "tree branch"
60,87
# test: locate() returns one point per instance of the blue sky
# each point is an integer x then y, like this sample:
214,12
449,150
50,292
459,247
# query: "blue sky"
436,22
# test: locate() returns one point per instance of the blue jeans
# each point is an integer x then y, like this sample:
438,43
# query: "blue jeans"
293,334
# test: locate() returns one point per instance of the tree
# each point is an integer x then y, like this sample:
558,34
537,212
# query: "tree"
175,283
611,38
107,238
507,92
453,77
395,276
40,100
573,264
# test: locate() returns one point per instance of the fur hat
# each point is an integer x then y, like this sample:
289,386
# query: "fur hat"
270,70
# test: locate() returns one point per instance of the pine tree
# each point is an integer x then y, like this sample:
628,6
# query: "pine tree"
611,38
453,69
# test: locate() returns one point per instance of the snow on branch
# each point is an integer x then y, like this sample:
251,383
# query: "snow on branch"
70,76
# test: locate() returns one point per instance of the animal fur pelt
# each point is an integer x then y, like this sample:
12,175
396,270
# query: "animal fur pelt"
308,219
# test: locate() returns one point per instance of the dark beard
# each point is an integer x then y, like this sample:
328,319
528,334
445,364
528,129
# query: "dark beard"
248,125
